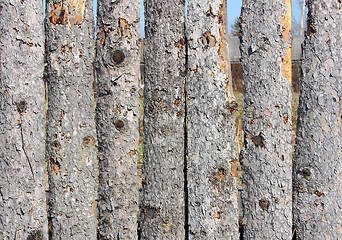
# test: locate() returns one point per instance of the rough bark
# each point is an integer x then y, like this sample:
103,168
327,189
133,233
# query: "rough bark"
71,134
212,156
318,159
22,121
162,214
117,114
266,157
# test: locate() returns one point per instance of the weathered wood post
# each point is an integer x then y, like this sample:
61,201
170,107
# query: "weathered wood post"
212,156
162,198
318,158
22,121
117,117
71,136
267,153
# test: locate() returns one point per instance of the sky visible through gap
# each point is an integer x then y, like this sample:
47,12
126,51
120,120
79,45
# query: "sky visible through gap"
233,11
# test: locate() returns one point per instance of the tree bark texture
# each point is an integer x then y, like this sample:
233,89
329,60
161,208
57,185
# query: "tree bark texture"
266,157
212,184
318,158
163,204
71,134
22,121
118,74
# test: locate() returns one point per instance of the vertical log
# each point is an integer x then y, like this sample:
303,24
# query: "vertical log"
22,121
117,117
318,158
267,153
163,214
71,135
212,157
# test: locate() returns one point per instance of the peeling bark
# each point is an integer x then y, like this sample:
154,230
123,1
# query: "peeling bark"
117,114
213,210
68,12
318,158
22,121
71,135
266,157
162,198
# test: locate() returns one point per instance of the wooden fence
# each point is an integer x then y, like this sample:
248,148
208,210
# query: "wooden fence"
69,157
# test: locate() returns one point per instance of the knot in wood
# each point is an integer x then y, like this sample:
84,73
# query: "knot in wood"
36,235
88,140
21,106
119,124
118,56
264,204
55,145
306,172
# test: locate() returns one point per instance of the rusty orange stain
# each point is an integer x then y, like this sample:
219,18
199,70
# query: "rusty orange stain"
287,20
180,43
102,35
62,114
117,109
26,43
319,194
223,50
208,39
63,49
132,152
58,13
287,65
124,28
218,215
93,208
234,167
220,174
54,165
68,12
177,101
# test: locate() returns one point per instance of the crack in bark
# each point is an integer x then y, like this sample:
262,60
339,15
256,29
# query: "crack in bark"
186,196
23,147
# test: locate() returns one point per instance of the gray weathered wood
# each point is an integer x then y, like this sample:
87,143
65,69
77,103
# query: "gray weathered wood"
162,198
71,136
318,158
22,121
117,117
212,156
266,157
